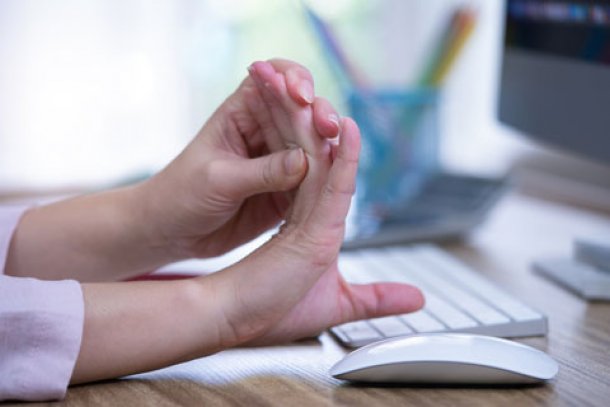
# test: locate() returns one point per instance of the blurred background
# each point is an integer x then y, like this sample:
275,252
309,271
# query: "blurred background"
95,92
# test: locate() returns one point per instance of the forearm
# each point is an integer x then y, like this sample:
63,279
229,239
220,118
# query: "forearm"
99,237
142,326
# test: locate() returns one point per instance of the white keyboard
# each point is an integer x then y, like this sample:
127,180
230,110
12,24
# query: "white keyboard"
457,298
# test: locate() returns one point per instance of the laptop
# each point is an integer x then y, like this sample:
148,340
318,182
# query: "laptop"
445,206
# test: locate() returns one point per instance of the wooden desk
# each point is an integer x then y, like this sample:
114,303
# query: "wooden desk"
520,230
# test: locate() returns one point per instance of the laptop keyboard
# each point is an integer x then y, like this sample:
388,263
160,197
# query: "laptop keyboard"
444,205
458,299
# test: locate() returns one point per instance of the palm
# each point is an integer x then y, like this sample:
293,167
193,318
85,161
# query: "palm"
329,302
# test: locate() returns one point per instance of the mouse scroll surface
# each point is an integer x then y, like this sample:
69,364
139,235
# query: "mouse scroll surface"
446,358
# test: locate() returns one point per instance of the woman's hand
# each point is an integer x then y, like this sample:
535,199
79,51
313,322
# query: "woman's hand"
291,287
233,181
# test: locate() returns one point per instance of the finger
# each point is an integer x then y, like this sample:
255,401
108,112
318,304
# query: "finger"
276,81
334,148
262,116
325,118
284,65
333,204
300,89
383,299
271,80
275,84
295,124
294,121
299,80
270,86
281,171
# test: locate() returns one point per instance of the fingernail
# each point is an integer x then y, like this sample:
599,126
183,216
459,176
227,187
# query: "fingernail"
333,118
306,91
251,68
293,163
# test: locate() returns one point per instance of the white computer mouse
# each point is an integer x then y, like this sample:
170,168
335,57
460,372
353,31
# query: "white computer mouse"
446,358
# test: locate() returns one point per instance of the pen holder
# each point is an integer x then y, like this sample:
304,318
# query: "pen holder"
400,138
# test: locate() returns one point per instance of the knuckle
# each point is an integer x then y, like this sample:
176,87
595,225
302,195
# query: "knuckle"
209,172
333,189
349,161
268,172
304,72
322,104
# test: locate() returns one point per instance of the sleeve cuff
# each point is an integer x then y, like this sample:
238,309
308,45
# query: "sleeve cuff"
41,327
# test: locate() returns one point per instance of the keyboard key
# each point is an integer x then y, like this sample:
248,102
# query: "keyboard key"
488,316
359,332
516,310
421,321
390,326
449,315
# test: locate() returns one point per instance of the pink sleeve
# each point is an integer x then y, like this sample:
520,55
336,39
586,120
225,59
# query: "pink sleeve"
41,325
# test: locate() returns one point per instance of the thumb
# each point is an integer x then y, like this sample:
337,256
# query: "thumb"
383,299
280,171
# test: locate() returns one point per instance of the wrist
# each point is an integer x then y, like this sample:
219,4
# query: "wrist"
236,317
143,218
254,294
213,296
165,207
199,298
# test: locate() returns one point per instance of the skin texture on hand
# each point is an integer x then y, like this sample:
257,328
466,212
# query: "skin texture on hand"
228,185
291,287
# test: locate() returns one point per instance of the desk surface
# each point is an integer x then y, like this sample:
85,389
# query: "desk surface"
520,229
